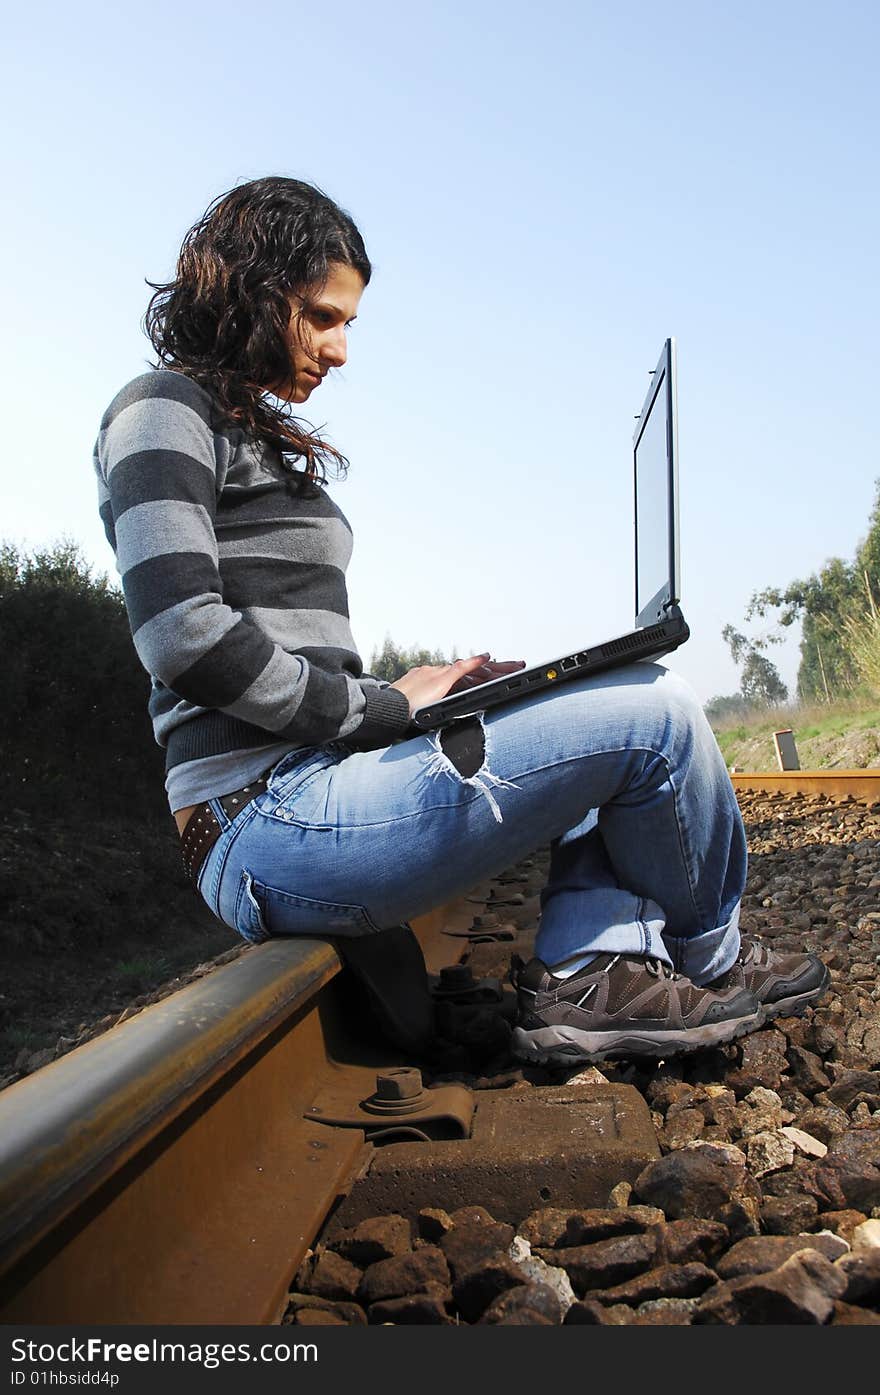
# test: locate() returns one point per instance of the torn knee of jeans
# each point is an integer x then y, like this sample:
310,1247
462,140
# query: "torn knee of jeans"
464,745
461,750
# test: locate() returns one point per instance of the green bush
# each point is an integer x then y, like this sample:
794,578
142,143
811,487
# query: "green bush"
73,717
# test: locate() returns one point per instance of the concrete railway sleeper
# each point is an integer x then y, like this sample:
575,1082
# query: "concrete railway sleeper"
235,1154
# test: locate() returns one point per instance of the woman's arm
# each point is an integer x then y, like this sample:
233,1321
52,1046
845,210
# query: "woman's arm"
159,463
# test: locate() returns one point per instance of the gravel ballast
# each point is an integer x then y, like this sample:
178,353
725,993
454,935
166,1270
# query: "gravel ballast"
764,1206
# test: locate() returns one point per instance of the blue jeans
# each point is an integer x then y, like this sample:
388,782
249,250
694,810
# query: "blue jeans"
620,773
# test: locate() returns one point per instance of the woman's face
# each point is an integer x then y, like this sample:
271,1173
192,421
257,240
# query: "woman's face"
319,319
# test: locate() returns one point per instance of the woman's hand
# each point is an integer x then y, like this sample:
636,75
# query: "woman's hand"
489,669
431,682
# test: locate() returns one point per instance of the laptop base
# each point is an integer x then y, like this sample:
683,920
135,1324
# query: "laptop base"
649,643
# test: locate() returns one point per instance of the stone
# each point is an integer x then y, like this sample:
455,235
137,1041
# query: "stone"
554,1227
824,1122
404,1274
414,1309
761,1110
788,1182
850,1083
586,1227
688,1183
807,1072
334,1277
763,1062
663,1092
537,1272
469,1243
862,1274
590,1075
433,1223
319,1317
351,1313
866,1236
665,1312
761,1253
482,1285
471,1215
664,1281
769,1151
719,1108
606,1262
855,1159
825,1039
526,1317
520,1306
804,1142
788,1215
714,1133
590,1313
717,1307
863,1115
803,1290
843,1223
681,1128
619,1196
690,1239
871,1041
793,1104
720,1152
37,1059
824,1184
379,1237
848,1315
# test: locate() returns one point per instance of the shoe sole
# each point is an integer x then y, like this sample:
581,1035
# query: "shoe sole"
564,1045
797,1004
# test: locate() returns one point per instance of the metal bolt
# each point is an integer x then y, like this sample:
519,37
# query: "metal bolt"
405,1083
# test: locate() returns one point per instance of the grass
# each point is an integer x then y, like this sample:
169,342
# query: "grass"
145,968
740,738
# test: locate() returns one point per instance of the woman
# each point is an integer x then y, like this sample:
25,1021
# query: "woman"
305,803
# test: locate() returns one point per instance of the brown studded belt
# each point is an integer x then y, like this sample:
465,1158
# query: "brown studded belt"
202,828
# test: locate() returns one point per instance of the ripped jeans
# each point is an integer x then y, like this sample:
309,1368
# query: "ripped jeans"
619,772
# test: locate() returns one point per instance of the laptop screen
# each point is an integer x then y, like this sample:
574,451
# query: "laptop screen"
655,496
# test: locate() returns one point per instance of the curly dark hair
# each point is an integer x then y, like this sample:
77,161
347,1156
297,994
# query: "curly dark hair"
223,320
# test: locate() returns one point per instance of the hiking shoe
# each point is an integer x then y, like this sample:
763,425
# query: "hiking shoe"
622,1005
784,984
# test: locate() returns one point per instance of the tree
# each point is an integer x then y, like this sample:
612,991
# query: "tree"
73,703
760,683
868,551
828,604
723,706
822,603
391,662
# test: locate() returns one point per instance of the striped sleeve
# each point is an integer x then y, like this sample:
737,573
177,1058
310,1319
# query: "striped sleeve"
158,462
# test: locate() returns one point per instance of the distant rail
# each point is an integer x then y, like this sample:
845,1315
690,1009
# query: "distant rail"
834,784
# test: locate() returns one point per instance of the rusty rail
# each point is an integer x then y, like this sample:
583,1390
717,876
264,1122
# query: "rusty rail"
834,784
166,1172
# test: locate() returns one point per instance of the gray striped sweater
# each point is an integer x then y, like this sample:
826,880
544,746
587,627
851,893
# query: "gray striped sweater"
234,580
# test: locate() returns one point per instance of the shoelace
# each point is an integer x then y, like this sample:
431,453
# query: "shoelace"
661,970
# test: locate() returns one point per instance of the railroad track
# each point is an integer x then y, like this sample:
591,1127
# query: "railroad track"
834,784
177,1168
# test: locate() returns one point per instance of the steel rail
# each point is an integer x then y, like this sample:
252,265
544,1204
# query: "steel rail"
165,1172
834,784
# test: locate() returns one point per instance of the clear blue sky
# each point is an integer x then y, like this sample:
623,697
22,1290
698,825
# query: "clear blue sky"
547,192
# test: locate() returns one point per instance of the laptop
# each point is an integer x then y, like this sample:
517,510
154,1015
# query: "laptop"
659,624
